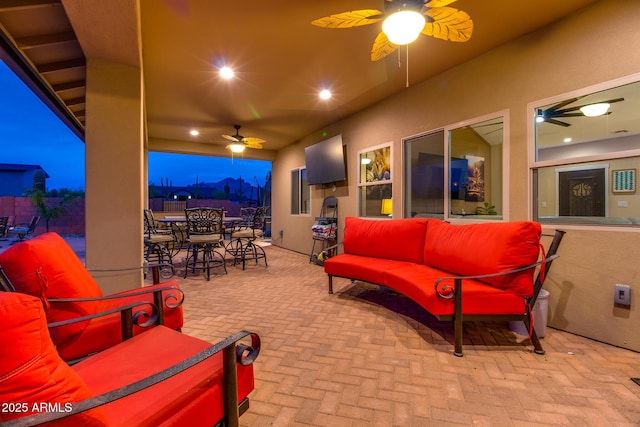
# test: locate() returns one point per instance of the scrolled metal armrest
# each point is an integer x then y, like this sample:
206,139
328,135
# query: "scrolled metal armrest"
137,316
143,291
246,355
448,291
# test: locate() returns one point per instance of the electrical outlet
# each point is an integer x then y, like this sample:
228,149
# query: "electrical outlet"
622,294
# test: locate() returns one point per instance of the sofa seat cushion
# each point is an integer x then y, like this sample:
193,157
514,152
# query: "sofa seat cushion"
200,402
398,239
368,269
417,282
31,372
103,332
477,249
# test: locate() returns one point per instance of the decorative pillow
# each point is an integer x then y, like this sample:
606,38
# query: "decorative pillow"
46,267
477,249
33,378
396,239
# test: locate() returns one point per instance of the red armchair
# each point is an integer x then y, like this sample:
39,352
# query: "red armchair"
47,268
158,378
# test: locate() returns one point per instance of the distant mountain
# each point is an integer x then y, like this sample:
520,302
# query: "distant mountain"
238,189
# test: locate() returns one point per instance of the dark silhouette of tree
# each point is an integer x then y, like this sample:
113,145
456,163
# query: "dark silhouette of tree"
39,200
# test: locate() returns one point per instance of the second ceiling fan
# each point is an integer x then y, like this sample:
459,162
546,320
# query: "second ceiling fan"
239,142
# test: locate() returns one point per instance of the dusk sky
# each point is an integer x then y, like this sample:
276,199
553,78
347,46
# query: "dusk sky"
32,134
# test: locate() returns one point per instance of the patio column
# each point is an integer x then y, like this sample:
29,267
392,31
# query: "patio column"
114,174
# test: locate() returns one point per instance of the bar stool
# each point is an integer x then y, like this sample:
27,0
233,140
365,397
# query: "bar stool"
205,233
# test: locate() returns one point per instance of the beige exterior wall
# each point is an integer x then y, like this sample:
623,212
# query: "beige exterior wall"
598,44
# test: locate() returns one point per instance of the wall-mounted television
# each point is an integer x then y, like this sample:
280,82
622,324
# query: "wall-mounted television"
325,161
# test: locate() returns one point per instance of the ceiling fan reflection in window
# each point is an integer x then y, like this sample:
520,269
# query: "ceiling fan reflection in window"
593,109
404,21
239,142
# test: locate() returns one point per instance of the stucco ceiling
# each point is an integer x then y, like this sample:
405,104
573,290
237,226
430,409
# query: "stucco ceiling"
281,60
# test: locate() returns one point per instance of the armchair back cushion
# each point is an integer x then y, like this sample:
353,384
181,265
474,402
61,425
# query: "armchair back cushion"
399,239
31,372
46,267
477,249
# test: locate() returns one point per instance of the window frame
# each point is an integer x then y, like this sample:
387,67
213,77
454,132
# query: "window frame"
364,184
574,163
446,141
300,193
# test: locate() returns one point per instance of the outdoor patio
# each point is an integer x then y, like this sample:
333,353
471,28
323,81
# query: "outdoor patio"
363,356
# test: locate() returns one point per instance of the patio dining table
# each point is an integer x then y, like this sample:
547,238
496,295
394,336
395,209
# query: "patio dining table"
178,224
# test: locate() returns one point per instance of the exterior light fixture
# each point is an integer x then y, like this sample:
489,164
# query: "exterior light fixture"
404,24
594,110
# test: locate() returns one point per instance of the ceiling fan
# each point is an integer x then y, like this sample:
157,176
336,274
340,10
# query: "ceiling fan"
441,22
239,142
551,114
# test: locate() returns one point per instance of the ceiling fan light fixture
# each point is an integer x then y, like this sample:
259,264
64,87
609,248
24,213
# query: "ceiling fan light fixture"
403,27
594,110
236,148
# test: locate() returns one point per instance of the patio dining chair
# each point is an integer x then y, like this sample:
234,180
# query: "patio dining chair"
4,225
159,244
242,245
205,233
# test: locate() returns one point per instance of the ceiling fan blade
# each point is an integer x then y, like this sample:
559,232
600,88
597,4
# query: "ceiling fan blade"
255,145
354,18
610,101
557,122
448,24
252,140
438,3
231,138
559,105
382,47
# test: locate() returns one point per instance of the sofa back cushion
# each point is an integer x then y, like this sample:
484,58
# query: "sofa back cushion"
46,267
476,249
397,239
32,376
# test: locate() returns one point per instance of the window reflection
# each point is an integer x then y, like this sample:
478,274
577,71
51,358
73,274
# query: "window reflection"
475,170
586,164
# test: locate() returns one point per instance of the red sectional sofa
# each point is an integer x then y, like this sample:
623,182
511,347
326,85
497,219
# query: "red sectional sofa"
160,377
456,272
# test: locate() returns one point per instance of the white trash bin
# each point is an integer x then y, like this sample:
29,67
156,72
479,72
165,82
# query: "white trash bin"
540,314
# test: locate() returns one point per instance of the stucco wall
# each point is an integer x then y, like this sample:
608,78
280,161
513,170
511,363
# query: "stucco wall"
597,44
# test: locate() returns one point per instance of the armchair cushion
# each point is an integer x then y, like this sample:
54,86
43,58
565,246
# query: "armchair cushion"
31,371
48,268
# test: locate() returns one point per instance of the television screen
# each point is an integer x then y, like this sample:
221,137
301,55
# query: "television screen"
325,161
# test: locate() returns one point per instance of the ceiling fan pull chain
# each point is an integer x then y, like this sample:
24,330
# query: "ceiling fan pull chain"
407,64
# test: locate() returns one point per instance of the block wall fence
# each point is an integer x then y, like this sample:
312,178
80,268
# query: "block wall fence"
73,223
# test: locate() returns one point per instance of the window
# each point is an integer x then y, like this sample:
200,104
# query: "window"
585,164
462,179
374,182
300,192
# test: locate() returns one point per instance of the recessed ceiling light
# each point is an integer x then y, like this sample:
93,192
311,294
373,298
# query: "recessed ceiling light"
567,139
226,72
325,94
194,132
